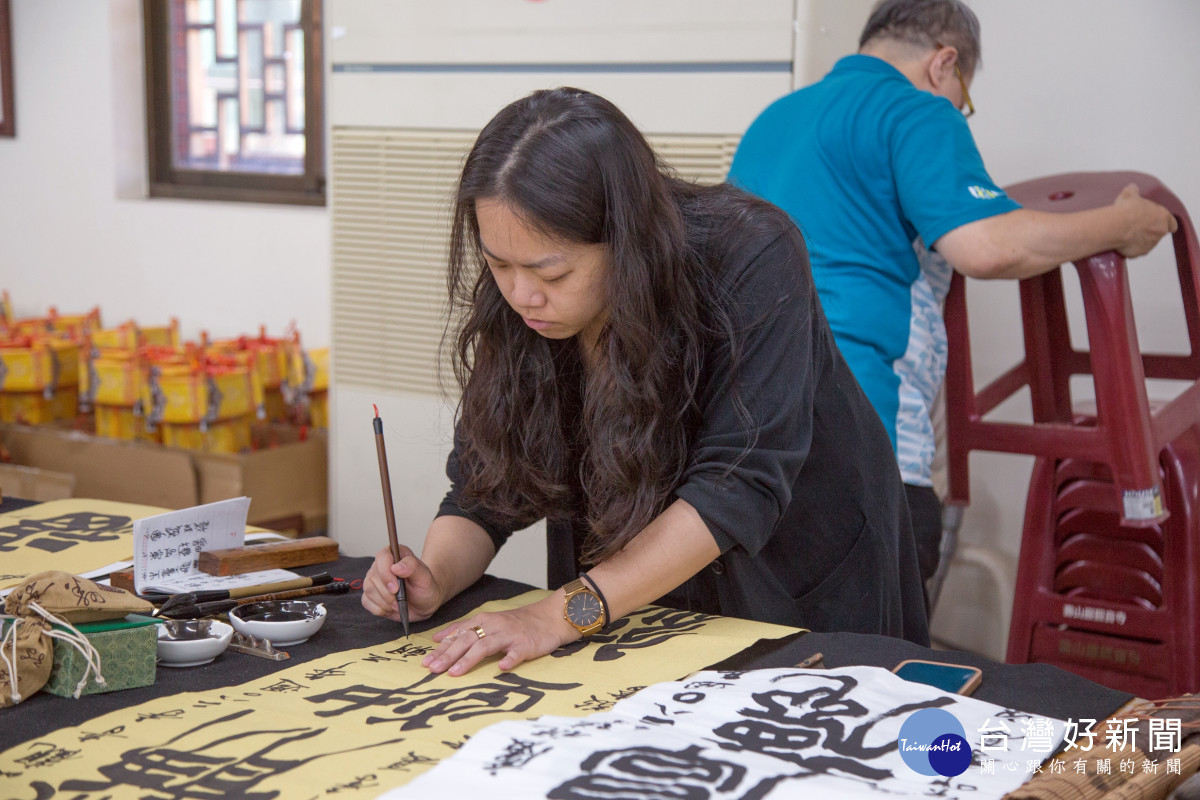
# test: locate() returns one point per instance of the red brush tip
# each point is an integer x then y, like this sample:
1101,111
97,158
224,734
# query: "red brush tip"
376,409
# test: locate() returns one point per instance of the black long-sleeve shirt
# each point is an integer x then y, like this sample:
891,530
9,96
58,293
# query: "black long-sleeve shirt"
811,521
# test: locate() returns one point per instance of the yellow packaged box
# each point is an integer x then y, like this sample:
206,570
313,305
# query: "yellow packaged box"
38,364
123,422
189,395
34,408
225,436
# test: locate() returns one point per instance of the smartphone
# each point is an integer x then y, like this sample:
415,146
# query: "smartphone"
954,678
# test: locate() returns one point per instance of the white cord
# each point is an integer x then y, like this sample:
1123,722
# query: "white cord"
11,666
73,637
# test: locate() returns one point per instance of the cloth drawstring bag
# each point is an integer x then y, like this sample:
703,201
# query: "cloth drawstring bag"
34,608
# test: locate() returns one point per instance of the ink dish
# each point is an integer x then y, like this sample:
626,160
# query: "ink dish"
191,642
282,622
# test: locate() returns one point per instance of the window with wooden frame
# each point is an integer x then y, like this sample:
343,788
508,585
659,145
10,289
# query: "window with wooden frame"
234,100
8,126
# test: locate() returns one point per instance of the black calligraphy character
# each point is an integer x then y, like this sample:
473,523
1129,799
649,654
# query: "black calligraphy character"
656,627
45,754
172,714
410,760
416,707
361,782
650,772
117,731
515,755
375,658
594,703
823,729
55,534
284,685
328,672
229,765
407,651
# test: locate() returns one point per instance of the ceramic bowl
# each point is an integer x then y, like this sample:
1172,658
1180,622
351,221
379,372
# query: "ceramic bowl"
190,643
282,622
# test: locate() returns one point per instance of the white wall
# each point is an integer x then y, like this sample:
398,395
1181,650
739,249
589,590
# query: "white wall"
1070,85
1066,85
76,228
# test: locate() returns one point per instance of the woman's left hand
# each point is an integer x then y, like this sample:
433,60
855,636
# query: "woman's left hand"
521,634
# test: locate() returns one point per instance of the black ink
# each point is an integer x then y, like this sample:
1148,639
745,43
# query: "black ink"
56,534
650,772
786,724
416,707
411,760
116,732
516,755
328,672
223,767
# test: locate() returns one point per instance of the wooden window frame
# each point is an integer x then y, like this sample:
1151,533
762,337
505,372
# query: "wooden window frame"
166,180
8,127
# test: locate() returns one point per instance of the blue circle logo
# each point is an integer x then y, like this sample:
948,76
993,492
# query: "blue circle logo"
933,742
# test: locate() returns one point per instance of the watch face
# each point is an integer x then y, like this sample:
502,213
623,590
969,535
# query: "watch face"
583,609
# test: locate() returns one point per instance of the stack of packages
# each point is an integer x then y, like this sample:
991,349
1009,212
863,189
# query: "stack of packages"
40,365
119,361
146,384
271,363
311,399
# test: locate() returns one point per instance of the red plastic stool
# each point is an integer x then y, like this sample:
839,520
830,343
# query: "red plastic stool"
1108,584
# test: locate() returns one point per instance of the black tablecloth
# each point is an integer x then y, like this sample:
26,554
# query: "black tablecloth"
348,626
1034,688
1039,689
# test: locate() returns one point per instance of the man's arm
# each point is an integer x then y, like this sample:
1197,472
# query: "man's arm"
1024,243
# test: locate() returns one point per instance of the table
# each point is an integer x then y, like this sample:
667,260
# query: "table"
1036,689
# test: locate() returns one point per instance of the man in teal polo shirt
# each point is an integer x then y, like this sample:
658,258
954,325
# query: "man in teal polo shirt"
877,166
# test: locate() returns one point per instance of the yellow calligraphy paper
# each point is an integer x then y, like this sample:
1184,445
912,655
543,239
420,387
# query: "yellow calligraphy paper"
76,535
357,723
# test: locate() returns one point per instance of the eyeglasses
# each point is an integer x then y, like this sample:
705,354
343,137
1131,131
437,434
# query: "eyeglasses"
966,95
970,112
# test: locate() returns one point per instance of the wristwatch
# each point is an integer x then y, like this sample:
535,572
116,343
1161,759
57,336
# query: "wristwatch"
584,608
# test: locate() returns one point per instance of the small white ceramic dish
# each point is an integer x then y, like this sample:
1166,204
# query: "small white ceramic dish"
283,622
192,648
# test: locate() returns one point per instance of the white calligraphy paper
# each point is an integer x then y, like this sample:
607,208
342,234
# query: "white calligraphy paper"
761,734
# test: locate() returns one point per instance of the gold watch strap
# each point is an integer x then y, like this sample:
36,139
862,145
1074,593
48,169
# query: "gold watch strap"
576,587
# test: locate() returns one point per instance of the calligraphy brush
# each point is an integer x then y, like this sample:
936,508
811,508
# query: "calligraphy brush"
390,514
184,599
212,608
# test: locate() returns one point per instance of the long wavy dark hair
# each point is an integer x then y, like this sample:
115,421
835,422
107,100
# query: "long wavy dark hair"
539,435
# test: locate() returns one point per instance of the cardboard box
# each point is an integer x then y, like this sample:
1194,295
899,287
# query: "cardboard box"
107,469
127,659
286,480
30,483
287,483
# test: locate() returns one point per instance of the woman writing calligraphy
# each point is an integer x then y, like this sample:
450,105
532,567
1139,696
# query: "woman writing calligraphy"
644,363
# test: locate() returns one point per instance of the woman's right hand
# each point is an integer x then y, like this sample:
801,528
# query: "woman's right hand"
424,593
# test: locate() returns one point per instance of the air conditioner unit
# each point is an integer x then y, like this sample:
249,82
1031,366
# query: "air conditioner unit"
410,84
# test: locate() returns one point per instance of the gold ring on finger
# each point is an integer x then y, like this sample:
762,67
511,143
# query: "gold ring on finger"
479,631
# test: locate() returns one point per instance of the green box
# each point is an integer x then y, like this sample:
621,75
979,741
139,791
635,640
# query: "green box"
127,657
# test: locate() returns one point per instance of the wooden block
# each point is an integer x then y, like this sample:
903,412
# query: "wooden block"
122,580
275,555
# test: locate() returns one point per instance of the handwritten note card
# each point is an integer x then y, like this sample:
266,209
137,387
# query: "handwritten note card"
167,547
